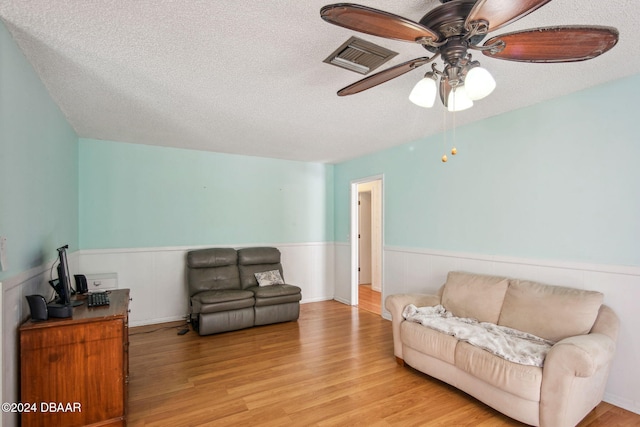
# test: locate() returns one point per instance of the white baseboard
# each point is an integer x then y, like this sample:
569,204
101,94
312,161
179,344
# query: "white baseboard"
319,299
342,300
158,321
621,402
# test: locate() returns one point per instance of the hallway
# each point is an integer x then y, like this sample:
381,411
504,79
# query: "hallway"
368,299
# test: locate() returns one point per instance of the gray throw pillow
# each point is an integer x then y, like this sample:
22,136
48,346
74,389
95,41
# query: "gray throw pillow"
268,278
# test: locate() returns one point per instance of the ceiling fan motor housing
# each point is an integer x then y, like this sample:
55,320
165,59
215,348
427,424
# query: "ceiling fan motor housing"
448,21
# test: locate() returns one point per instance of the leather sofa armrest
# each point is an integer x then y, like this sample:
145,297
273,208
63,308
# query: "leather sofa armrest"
396,304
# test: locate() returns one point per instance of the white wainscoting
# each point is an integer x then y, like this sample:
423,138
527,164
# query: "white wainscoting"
411,270
157,276
15,310
342,276
157,280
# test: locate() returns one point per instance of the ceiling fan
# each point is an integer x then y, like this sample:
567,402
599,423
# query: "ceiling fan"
452,29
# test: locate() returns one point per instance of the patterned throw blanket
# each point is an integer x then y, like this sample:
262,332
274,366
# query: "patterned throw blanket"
507,343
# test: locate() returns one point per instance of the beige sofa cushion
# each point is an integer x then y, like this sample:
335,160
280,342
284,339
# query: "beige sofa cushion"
521,380
474,295
550,312
429,341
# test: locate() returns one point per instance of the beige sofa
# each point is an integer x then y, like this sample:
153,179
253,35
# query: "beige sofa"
562,392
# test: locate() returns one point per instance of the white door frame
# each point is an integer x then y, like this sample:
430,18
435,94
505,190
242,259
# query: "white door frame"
353,234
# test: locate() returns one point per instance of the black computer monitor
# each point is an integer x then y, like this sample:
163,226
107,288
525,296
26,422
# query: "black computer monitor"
63,288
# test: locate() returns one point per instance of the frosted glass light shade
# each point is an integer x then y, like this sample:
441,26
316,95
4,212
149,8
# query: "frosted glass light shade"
479,83
424,92
458,99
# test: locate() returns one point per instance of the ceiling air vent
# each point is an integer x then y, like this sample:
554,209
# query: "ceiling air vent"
360,56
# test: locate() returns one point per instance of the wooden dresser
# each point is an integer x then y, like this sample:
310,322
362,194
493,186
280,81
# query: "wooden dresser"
74,372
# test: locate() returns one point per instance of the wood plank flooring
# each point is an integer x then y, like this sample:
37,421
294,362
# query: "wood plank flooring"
333,367
368,299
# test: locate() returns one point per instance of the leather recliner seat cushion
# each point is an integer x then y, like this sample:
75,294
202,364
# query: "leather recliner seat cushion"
276,294
275,291
221,300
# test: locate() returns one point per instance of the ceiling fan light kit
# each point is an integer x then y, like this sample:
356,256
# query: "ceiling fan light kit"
450,30
424,92
458,99
479,83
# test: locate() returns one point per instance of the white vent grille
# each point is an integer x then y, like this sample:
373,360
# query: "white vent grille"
360,56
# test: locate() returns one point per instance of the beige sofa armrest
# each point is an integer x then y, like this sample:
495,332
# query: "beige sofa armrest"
606,323
575,372
396,304
582,355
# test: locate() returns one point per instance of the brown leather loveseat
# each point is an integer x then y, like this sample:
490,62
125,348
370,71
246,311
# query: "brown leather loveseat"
225,294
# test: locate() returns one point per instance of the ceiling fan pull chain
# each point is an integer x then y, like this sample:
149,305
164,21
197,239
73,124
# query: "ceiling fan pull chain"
444,133
454,150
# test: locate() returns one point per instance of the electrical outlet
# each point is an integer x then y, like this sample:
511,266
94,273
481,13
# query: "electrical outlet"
3,253
102,281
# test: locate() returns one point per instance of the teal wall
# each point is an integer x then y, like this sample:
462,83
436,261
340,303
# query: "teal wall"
38,166
143,196
557,180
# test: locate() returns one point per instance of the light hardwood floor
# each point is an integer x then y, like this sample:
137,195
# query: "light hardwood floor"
368,299
333,367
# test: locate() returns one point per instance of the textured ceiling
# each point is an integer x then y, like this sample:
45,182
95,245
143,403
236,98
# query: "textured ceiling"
247,77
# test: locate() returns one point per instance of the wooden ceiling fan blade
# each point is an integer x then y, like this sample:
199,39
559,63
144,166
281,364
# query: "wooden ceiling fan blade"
383,76
375,22
555,44
499,13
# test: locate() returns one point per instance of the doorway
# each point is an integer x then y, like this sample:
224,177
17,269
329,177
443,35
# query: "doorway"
366,233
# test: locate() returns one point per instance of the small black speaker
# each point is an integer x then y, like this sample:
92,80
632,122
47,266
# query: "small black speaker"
81,283
38,307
